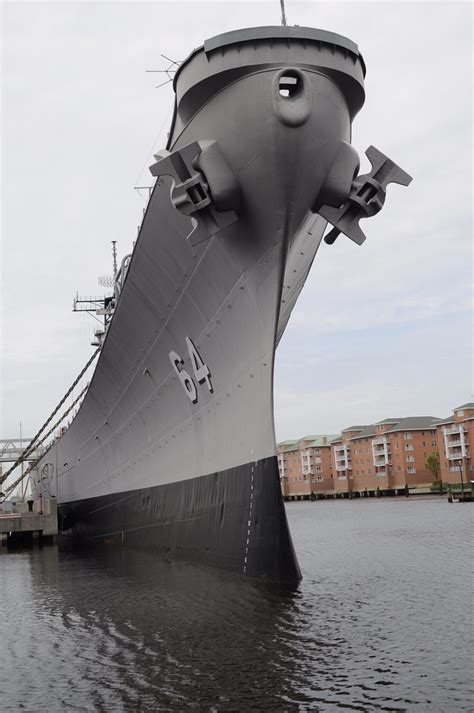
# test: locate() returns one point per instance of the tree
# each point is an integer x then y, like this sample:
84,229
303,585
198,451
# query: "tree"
433,464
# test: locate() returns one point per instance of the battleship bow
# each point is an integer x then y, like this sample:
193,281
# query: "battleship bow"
173,448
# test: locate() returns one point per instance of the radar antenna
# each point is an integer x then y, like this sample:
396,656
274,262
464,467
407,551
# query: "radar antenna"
109,280
106,281
169,71
114,256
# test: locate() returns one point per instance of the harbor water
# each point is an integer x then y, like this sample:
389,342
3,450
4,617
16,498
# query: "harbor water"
382,621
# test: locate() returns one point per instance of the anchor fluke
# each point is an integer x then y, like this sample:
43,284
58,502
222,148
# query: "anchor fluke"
366,198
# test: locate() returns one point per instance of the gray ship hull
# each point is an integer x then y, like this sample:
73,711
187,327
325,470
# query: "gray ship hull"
143,463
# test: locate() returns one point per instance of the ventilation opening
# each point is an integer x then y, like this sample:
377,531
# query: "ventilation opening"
289,85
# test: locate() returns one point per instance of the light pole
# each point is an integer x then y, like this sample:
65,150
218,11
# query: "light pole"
460,472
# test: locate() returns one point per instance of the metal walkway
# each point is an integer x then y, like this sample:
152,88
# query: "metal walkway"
12,448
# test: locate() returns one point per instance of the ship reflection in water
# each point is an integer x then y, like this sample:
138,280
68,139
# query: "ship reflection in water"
379,622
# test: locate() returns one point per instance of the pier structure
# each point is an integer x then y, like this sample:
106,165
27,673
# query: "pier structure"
12,448
15,450
26,521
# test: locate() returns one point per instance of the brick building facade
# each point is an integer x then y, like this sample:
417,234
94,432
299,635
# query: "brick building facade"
388,457
306,466
454,436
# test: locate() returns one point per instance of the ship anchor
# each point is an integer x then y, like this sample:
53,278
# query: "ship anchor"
204,187
365,199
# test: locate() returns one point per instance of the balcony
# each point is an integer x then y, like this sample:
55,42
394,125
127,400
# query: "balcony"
381,451
453,444
459,455
453,429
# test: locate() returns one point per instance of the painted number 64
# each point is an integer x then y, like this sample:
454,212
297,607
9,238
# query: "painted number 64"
201,371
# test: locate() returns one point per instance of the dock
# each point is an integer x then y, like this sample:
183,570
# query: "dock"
462,495
32,520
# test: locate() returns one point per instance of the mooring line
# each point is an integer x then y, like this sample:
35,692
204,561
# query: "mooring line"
31,445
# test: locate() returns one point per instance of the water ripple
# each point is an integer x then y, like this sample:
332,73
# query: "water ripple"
380,622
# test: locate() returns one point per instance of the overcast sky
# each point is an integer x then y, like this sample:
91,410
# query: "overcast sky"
380,330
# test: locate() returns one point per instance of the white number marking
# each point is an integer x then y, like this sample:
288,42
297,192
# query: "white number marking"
201,371
188,384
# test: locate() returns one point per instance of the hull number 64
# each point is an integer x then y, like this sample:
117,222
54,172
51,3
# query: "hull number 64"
200,369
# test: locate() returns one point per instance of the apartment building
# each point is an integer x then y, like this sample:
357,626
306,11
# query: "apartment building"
305,466
351,451
387,457
454,436
289,466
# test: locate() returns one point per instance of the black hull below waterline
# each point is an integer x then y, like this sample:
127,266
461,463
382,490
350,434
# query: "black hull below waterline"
233,521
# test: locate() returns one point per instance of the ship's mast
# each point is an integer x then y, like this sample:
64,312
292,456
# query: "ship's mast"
283,14
114,257
100,306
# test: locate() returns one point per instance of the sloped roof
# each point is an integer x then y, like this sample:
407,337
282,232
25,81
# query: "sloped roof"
450,419
354,428
288,445
415,423
389,420
364,433
468,405
319,440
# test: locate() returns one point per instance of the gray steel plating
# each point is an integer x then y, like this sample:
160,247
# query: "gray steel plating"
226,243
